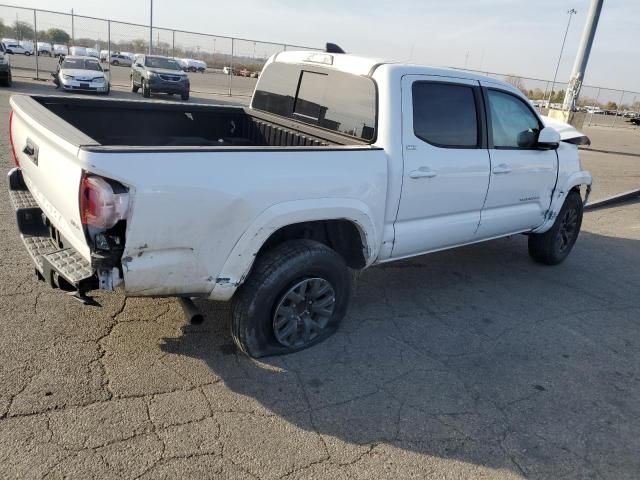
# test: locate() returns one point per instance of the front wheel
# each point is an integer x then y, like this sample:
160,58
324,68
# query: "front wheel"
553,246
296,296
134,87
146,90
28,54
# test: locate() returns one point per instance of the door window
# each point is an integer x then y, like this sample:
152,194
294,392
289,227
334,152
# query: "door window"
513,124
445,114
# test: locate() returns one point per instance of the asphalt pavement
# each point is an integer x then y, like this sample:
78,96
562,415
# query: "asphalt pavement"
470,363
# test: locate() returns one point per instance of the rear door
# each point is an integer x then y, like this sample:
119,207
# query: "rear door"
446,164
522,176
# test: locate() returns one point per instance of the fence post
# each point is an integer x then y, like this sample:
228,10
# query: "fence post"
285,47
231,72
592,114
617,110
35,34
173,43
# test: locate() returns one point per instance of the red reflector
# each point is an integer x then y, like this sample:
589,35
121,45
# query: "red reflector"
13,148
99,205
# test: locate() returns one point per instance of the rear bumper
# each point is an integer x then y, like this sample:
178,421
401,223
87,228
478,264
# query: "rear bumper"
57,264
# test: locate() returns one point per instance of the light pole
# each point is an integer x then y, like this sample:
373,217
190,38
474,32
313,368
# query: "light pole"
150,27
571,13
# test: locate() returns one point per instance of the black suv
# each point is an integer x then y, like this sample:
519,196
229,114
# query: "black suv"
157,74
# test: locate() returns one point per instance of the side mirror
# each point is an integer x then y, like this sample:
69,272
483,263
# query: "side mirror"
527,139
548,139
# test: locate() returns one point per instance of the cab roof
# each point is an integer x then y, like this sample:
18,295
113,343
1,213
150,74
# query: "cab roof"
366,66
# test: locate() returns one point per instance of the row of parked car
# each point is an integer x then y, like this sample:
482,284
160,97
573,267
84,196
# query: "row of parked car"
149,73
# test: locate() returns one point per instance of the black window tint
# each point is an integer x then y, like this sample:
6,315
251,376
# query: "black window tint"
513,124
327,98
445,115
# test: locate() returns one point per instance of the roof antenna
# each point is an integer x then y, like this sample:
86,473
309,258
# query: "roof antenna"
333,48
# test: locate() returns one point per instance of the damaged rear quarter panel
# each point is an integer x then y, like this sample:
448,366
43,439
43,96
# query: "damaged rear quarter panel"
189,209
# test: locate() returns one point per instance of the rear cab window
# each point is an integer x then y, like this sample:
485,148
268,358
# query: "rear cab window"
330,99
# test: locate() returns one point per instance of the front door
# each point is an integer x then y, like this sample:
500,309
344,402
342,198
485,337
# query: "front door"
446,164
522,176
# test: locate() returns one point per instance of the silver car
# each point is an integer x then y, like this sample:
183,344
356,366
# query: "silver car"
82,74
121,59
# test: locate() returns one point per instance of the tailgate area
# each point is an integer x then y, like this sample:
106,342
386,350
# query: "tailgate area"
56,262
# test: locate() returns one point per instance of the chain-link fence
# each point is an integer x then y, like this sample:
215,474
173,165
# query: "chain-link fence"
226,65
216,64
604,106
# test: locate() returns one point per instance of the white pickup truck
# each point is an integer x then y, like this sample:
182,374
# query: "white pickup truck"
340,163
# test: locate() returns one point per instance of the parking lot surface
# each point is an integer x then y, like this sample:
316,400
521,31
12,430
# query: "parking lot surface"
471,363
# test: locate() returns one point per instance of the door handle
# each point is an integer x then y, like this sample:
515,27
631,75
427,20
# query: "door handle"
501,169
422,172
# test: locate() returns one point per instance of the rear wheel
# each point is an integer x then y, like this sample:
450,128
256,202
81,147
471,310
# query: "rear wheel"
296,296
553,246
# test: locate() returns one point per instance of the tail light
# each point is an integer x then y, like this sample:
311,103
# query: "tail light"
13,148
103,202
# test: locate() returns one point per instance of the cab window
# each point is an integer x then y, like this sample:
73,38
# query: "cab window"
445,114
513,124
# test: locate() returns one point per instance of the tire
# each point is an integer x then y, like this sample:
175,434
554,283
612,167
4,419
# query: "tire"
146,91
259,303
28,54
184,96
115,63
553,246
108,90
134,87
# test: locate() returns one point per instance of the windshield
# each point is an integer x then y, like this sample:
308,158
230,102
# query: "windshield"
162,62
82,64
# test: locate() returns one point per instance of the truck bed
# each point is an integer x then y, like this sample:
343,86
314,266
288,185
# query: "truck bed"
167,124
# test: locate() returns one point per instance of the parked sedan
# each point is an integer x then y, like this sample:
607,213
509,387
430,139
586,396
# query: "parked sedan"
16,49
84,74
120,59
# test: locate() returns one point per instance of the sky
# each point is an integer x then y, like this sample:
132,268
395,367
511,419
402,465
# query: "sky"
522,37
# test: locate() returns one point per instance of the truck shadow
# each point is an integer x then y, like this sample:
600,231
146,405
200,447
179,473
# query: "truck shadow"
476,355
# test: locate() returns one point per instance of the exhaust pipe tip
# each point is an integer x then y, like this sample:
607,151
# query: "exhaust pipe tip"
191,312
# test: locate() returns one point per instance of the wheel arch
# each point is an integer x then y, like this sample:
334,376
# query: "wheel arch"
573,182
338,219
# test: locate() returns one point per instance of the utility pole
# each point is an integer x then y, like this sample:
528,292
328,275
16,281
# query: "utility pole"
73,30
580,65
571,13
150,27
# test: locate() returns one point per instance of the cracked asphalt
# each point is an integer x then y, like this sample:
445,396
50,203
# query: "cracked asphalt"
473,363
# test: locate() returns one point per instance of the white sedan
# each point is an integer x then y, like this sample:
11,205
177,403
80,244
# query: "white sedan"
84,74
